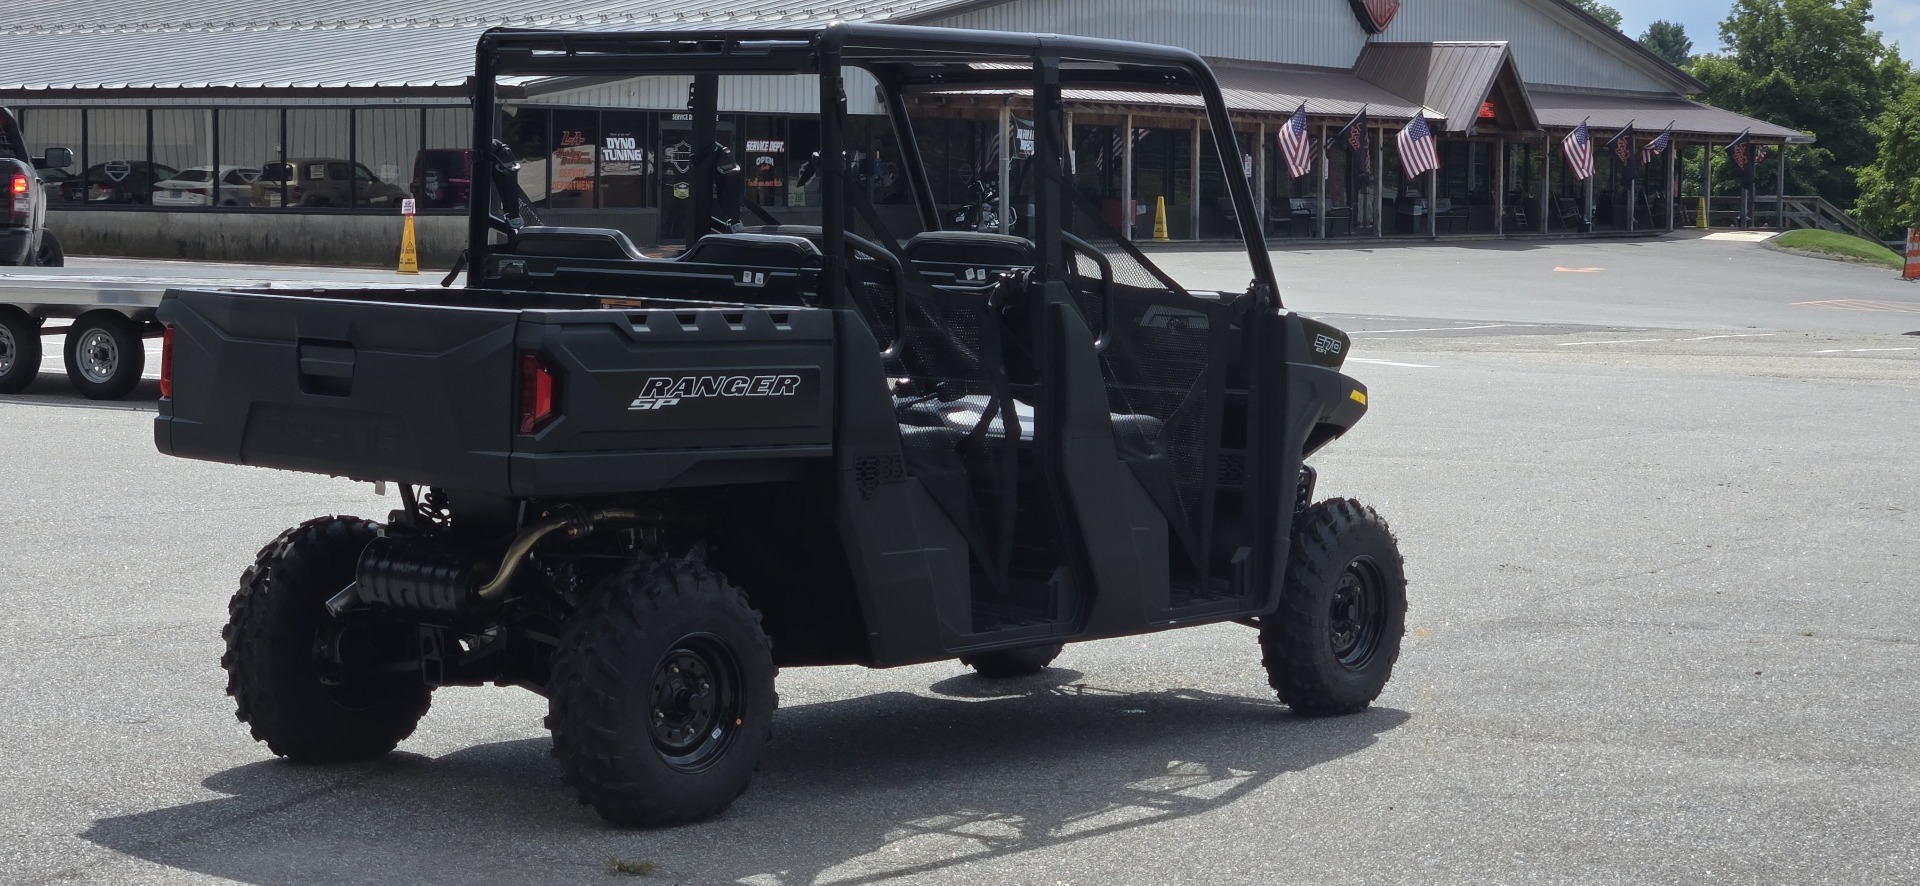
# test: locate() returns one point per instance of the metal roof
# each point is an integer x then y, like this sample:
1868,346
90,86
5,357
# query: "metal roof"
1650,113
124,44
1258,88
1452,77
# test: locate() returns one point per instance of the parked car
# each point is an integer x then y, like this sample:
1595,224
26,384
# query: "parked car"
322,181
442,177
195,186
116,181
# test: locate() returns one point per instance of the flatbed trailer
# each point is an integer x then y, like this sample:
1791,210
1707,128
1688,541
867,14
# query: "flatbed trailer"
103,319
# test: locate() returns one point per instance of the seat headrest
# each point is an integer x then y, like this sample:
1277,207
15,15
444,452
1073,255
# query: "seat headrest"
970,247
767,250
568,242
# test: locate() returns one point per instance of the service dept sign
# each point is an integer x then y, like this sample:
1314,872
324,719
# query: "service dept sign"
1375,15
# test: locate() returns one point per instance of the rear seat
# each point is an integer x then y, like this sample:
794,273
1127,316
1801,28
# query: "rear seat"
567,242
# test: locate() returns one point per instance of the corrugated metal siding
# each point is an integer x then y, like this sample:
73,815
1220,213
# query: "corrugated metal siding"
1546,51
94,15
744,95
1318,33
1324,33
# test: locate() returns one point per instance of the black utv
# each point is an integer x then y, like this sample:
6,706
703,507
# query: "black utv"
639,482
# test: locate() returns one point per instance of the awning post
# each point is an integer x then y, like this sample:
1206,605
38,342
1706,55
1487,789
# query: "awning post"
1320,211
1260,177
1006,167
1546,185
1500,187
1433,203
1193,179
1126,178
1780,190
1706,187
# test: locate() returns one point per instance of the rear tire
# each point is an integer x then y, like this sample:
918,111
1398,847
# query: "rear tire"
19,350
104,355
1331,646
51,254
291,664
661,698
1005,663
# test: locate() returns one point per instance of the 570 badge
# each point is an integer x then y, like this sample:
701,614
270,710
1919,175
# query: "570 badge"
660,392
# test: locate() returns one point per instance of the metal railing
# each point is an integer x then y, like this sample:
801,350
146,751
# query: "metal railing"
1764,213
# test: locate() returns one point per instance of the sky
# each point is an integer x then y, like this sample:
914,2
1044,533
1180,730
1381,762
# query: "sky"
1897,20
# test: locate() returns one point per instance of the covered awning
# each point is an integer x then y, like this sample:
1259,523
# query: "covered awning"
1474,85
1651,113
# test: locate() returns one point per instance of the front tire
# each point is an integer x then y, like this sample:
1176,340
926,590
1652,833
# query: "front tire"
661,698
104,355
1331,646
311,685
19,349
51,254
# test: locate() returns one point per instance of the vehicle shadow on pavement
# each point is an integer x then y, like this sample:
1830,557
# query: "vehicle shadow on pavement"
53,389
853,791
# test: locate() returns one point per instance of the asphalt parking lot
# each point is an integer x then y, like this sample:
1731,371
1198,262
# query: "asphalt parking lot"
1660,521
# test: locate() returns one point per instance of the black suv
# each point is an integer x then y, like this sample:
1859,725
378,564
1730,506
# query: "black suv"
24,239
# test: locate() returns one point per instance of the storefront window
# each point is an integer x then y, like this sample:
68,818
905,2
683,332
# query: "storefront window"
117,169
183,141
250,139
525,132
626,160
386,141
48,128
765,161
571,169
444,167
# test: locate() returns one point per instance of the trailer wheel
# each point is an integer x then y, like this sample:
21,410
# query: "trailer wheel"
1331,646
1012,662
315,687
661,697
50,254
104,355
19,349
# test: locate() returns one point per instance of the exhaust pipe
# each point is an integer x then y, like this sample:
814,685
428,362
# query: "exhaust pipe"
575,525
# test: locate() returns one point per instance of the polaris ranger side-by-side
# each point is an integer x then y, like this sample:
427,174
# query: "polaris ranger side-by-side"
637,484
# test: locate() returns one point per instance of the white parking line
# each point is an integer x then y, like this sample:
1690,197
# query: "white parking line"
1862,350
1389,363
1735,335
1446,328
1624,341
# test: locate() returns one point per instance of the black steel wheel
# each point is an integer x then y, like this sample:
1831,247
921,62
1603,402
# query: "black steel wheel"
105,355
1005,663
19,349
1331,646
661,697
315,687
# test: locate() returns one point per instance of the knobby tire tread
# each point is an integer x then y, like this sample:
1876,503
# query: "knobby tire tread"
1296,650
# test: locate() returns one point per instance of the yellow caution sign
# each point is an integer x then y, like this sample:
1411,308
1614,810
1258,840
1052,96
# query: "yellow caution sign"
409,257
1701,220
1160,220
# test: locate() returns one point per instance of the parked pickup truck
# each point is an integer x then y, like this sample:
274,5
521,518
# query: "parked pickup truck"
638,483
24,238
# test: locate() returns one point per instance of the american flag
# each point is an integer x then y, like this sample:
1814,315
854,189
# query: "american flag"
1295,145
1579,146
1417,153
1658,146
1118,151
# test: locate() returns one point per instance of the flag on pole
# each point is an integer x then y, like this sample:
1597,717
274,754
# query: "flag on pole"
1359,148
1621,147
1740,154
1658,146
1418,156
1579,148
1294,144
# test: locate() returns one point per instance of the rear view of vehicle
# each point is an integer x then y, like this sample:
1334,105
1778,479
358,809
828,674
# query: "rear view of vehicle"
639,482
205,186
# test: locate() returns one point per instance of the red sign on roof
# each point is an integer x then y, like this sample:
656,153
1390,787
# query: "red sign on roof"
1375,15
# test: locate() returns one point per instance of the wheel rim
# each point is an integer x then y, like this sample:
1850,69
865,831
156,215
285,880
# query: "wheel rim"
694,712
1357,614
8,350
98,355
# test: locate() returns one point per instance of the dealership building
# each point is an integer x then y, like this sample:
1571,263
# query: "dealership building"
287,131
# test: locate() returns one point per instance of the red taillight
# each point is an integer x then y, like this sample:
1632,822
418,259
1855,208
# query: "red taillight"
166,364
19,184
537,388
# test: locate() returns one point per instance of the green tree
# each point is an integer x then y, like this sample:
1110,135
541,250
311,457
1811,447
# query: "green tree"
1890,185
1600,11
1668,40
1812,65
